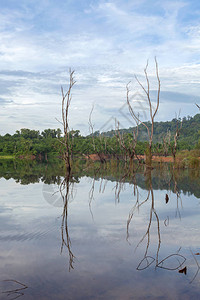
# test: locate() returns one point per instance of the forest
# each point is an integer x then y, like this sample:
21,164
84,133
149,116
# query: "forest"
27,143
189,135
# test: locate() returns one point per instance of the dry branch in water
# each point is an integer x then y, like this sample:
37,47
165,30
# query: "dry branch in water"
66,241
176,136
67,149
151,112
66,100
15,293
129,146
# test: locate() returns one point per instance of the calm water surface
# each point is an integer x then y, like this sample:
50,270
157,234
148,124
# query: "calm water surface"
118,240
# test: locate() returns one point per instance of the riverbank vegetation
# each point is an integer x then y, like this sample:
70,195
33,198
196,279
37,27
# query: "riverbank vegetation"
26,172
45,145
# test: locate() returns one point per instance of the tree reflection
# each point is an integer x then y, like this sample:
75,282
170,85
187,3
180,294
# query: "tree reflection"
172,182
15,292
147,179
66,190
26,172
150,196
171,262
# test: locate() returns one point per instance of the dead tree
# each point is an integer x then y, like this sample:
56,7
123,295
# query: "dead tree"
129,147
151,112
66,150
101,148
176,136
91,128
66,100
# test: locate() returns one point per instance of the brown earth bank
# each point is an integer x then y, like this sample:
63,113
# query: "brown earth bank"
104,157
99,157
156,158
31,157
162,158
39,157
166,158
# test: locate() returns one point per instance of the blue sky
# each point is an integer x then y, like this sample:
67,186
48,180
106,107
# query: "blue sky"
106,43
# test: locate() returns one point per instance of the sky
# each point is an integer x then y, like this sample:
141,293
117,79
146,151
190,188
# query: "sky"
107,43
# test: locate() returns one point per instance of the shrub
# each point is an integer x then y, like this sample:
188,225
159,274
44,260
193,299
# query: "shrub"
194,162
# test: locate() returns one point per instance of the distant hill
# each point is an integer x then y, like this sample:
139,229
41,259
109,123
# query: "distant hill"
189,134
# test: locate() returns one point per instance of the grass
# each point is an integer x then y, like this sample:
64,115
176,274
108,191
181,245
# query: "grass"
188,159
7,157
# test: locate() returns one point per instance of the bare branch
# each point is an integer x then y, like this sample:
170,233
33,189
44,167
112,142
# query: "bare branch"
134,116
66,100
91,127
152,114
197,106
158,94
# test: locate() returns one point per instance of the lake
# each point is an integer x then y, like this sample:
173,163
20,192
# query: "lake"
107,234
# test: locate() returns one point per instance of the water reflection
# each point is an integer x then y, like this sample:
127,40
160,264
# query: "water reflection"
14,289
176,259
66,191
150,196
163,178
139,220
173,261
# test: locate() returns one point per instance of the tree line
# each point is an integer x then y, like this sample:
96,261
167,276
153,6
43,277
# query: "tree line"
189,134
49,142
